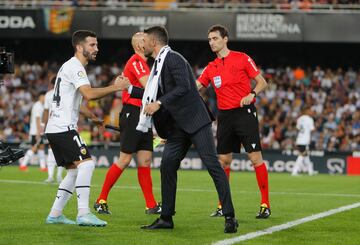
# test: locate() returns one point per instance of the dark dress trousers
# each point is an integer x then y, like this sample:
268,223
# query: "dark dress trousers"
183,120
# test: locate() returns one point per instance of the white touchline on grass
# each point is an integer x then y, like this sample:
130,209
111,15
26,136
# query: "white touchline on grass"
286,226
199,190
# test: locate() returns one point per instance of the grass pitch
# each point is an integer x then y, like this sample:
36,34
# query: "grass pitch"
26,202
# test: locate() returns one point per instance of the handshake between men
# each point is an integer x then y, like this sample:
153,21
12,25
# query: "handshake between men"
121,82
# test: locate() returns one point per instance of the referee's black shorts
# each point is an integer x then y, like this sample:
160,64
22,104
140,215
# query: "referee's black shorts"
238,126
132,140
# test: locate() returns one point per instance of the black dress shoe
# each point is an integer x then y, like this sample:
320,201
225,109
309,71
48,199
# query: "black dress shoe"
231,225
159,224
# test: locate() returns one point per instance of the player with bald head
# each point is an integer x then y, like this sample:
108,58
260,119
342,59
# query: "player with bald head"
132,140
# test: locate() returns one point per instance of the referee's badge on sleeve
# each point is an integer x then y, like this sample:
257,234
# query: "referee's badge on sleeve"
217,81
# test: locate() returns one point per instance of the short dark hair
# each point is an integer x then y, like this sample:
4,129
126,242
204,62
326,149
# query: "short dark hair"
80,36
305,108
221,29
42,92
159,32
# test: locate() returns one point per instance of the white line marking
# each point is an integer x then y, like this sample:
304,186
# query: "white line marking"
286,226
195,190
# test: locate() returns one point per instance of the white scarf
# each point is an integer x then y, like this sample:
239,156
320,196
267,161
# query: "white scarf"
151,89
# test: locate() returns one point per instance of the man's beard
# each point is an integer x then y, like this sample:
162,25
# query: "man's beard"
147,54
89,56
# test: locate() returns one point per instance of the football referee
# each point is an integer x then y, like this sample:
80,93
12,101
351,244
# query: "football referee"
132,140
230,75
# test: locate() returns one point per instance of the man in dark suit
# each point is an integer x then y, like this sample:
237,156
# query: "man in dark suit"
180,110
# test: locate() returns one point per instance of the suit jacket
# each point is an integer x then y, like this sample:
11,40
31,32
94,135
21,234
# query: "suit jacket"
181,102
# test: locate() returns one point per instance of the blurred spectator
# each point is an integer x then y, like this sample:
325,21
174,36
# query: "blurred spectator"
291,5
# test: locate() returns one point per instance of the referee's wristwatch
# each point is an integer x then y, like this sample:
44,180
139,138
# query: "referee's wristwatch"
158,102
253,92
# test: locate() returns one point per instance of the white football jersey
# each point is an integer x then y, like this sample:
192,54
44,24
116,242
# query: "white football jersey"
305,124
66,101
36,111
48,99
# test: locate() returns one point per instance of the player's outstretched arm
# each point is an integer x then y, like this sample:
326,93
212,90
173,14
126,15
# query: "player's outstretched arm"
90,93
88,114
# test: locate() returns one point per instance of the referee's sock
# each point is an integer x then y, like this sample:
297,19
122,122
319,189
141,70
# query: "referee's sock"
263,183
145,181
112,176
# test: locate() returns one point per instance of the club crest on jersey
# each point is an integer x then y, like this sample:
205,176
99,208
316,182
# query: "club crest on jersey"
83,150
217,81
81,74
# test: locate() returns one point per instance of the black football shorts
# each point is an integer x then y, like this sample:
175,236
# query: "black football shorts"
132,140
236,127
68,147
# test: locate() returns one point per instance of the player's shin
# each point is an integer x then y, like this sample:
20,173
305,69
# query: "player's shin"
28,155
297,166
51,168
41,154
65,190
82,185
59,174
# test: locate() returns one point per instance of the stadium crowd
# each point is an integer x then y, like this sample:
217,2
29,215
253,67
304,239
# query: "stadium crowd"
173,4
334,96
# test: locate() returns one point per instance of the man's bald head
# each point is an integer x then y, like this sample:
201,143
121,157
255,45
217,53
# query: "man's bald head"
137,41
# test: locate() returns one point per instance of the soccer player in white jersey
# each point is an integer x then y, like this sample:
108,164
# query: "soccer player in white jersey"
70,151
305,125
51,162
36,131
